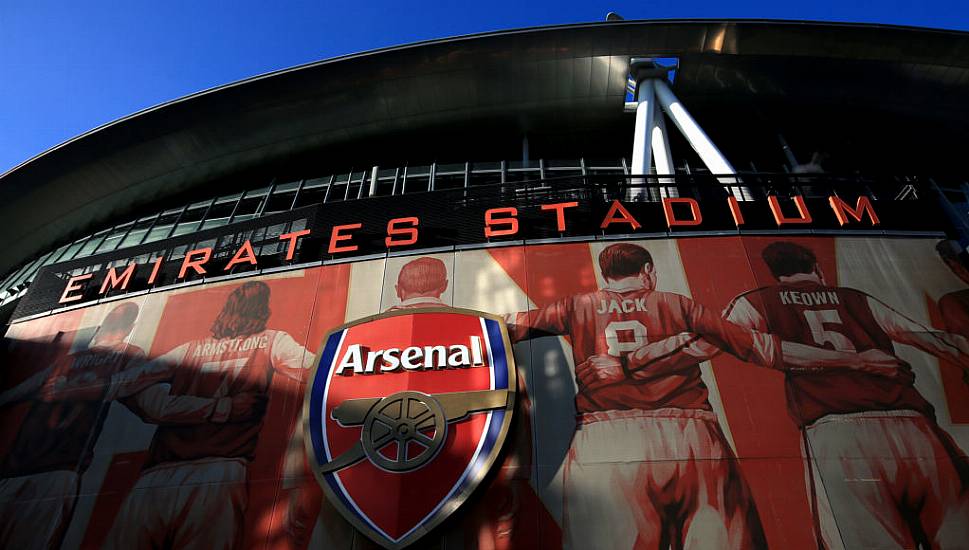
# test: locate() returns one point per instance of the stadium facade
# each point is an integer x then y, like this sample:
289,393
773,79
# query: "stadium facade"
644,284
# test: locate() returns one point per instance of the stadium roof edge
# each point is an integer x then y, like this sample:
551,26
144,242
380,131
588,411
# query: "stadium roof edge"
170,147
457,38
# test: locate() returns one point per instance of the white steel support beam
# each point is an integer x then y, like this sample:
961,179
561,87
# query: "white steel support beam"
642,142
708,152
662,155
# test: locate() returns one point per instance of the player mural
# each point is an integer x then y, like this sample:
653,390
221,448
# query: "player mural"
722,392
870,425
616,398
421,283
66,407
206,450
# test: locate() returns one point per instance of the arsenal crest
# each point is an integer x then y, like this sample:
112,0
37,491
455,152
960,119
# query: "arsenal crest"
406,412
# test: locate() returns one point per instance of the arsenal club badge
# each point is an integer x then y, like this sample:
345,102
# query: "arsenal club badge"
405,413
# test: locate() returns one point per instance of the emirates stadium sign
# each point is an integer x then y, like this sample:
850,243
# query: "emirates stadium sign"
405,414
507,222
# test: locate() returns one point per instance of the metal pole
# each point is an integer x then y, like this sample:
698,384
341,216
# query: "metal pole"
642,151
662,156
373,182
708,152
661,145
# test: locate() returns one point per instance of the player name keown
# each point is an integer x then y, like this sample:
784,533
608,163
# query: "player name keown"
789,297
359,359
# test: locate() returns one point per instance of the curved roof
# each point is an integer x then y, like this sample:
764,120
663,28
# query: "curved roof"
555,78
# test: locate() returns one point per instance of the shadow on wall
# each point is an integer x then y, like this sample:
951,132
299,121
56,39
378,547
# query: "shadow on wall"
107,445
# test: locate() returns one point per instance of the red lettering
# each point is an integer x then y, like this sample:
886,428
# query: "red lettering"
196,265
154,270
510,223
336,237
73,285
671,220
738,217
802,211
112,279
559,208
292,238
618,214
408,234
842,210
245,254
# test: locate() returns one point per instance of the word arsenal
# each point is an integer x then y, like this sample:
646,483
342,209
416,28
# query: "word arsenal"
498,222
360,360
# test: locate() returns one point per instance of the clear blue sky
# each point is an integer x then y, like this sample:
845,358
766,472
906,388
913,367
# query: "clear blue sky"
69,66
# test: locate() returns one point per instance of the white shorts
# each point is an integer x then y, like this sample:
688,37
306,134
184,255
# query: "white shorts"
650,479
879,476
198,504
35,509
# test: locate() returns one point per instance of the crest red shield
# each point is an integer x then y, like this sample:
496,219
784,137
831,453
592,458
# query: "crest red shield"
406,413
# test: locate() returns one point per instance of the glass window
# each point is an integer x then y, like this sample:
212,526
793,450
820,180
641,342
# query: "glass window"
309,197
219,214
8,279
417,179
91,245
287,187
316,182
449,176
598,166
359,185
111,241
387,182
133,238
485,173
282,197
563,168
521,174
138,232
163,226
56,256
249,206
71,250
28,274
8,283
158,233
191,219
522,164
337,190
229,198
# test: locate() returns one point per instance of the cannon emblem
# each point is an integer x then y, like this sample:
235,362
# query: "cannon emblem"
410,424
406,413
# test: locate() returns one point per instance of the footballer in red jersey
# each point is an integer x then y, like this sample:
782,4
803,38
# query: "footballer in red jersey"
674,481
891,476
421,283
954,306
53,447
204,456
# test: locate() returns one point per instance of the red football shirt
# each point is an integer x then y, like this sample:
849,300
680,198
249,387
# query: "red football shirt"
622,318
805,311
215,368
60,435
